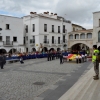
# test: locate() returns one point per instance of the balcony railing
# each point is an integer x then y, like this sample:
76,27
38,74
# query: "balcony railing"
46,41
32,41
8,43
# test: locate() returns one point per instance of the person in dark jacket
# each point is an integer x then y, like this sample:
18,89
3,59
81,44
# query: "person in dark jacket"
1,61
61,58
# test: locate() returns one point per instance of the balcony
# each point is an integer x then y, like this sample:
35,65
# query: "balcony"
8,43
64,41
32,42
46,42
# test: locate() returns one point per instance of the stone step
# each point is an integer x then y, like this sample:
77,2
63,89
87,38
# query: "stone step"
73,92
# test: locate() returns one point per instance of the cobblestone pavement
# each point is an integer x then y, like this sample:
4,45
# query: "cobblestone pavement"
17,80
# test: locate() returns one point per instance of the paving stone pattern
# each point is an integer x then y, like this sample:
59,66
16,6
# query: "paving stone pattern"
17,80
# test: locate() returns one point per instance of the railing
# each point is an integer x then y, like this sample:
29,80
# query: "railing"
32,41
46,41
7,43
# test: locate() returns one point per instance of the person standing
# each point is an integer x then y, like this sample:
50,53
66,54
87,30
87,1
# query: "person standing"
95,60
61,58
83,56
1,61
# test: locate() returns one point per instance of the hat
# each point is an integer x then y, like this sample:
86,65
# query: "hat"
95,46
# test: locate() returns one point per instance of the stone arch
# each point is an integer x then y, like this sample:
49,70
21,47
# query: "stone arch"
45,49
79,46
51,49
13,50
58,49
33,50
81,42
3,51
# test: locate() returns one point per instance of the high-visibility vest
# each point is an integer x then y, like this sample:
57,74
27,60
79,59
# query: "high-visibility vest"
95,55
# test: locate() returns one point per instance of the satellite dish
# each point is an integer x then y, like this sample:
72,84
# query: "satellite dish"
0,29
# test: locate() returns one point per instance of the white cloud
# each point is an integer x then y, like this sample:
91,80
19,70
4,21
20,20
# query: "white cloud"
78,11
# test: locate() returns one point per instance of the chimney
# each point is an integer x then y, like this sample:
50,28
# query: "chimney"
47,12
55,14
51,13
31,13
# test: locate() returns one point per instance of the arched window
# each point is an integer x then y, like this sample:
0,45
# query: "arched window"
89,35
76,36
82,36
99,36
71,36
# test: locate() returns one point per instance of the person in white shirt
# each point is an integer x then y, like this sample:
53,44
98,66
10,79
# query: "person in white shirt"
83,56
77,59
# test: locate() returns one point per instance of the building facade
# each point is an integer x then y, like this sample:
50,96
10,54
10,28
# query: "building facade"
11,34
45,31
96,28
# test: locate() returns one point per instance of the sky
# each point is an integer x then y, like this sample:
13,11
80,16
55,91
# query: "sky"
77,11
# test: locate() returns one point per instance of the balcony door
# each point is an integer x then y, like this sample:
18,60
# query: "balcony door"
8,40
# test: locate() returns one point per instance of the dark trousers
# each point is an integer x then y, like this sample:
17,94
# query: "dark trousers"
1,65
96,67
21,62
82,59
61,60
78,60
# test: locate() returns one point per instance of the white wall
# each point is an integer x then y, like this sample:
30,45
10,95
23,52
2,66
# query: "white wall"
15,30
96,27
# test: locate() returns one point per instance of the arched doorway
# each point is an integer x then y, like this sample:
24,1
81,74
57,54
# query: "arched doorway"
3,51
33,50
52,49
79,47
12,50
58,49
45,49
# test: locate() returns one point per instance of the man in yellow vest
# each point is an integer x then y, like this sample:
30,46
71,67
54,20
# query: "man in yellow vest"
95,60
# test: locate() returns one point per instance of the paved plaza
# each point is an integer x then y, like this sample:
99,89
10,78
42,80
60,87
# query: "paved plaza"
35,79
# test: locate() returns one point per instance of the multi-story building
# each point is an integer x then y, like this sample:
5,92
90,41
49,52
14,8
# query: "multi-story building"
11,34
96,28
45,31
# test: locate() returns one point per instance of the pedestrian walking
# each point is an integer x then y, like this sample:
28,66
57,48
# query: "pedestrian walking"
83,56
95,60
21,60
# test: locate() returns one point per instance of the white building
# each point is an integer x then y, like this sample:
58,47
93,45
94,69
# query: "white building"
96,28
11,35
47,31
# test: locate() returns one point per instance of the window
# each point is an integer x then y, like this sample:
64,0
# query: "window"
76,36
33,39
0,38
27,38
58,40
33,27
71,36
58,29
14,39
89,35
7,26
99,36
52,28
26,28
45,39
63,28
45,27
64,38
52,39
73,29
82,36
99,22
